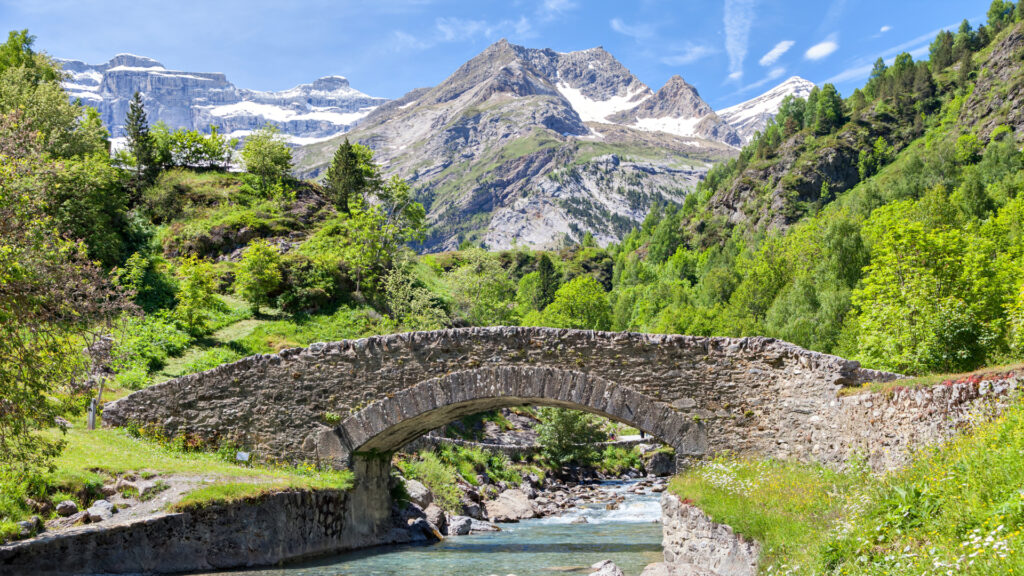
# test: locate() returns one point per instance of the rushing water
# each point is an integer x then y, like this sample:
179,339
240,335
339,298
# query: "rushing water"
630,536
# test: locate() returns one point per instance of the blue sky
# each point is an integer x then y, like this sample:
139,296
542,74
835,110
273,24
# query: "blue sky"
729,49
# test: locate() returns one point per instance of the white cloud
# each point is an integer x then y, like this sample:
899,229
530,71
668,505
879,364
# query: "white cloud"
458,29
821,50
915,46
688,55
551,9
634,31
405,41
739,15
775,53
884,29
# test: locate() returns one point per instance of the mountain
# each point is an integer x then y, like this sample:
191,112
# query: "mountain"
748,118
535,147
195,100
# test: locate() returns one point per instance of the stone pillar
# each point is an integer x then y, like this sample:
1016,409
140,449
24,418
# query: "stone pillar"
371,494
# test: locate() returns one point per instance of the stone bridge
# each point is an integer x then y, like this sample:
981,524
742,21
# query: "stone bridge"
330,401
353,403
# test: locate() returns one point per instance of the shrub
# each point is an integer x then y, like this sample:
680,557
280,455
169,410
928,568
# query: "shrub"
567,436
438,477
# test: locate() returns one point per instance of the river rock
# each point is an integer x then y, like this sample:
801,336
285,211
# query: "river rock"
580,520
101,510
437,517
482,526
459,525
606,568
418,493
510,506
66,508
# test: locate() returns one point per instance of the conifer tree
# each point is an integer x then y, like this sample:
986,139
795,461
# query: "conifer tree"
942,51
140,143
548,282
345,178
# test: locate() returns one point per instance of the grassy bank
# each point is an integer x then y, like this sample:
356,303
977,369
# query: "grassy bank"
92,459
958,509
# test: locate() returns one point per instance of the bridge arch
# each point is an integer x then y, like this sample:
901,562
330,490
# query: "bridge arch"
392,422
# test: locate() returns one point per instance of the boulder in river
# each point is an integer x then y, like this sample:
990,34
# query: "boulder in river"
510,506
459,525
481,526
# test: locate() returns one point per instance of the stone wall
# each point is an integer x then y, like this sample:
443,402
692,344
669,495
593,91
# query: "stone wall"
749,394
694,544
887,428
272,529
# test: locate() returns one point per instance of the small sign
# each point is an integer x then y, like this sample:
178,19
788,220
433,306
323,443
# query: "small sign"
242,457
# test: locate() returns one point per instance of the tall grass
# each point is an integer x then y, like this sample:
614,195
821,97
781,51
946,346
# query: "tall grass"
957,509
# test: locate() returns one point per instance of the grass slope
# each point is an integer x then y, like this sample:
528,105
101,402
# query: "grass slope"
958,509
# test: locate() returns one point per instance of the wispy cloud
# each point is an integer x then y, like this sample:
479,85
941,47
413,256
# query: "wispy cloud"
773,75
551,9
402,41
739,15
458,29
775,53
688,55
448,29
917,47
634,31
884,29
822,49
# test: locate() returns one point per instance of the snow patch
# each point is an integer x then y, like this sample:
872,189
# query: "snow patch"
677,126
279,114
599,110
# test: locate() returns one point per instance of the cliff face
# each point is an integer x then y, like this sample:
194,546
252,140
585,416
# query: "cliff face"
197,100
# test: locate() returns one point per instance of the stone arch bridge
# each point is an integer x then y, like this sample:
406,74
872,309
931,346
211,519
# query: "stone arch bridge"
353,403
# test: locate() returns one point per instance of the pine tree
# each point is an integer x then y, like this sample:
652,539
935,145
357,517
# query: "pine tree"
942,51
345,179
829,110
140,143
548,282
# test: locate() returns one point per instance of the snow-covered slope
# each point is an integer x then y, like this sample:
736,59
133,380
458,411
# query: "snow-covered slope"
195,100
747,118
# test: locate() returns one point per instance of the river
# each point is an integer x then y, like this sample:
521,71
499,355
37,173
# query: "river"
630,536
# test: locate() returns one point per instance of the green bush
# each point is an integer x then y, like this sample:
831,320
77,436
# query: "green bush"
307,285
438,477
616,460
568,436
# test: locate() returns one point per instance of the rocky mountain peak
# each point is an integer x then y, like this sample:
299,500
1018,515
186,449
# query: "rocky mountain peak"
752,116
133,61
331,84
676,99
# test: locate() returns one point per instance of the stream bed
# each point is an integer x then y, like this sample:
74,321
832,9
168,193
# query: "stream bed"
630,536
